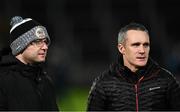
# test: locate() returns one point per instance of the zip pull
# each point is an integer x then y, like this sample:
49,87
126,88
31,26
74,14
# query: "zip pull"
140,79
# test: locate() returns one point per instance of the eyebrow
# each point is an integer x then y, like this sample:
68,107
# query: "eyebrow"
138,43
40,39
146,43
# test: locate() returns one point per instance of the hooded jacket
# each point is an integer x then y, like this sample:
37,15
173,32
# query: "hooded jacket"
25,87
150,88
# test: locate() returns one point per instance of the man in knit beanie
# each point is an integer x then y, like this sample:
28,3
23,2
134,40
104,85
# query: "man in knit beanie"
23,32
24,83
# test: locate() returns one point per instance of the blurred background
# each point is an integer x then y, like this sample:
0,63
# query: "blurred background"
84,37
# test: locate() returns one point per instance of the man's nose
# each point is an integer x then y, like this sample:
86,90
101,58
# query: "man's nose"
141,49
45,46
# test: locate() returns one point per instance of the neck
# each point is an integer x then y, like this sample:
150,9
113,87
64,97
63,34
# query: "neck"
131,67
20,58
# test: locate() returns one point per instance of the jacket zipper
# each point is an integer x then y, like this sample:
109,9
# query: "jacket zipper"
136,91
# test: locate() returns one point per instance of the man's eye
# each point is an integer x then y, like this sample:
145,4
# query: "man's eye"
46,41
146,45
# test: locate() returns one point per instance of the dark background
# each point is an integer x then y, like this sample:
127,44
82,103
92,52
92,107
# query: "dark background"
84,37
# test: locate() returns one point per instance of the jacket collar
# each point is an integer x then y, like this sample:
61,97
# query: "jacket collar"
9,61
118,69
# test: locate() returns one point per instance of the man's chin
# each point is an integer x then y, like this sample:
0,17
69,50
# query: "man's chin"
40,60
141,64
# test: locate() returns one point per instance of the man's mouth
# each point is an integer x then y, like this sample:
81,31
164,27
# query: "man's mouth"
42,54
141,58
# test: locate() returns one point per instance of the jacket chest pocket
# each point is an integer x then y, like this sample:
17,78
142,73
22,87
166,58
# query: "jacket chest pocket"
155,93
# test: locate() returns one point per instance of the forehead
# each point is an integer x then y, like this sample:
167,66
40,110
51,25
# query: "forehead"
137,36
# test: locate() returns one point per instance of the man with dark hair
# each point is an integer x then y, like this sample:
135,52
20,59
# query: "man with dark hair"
135,82
24,83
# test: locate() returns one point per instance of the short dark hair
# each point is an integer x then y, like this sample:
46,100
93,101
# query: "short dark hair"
131,26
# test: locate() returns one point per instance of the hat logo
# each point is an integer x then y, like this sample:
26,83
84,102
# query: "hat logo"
40,33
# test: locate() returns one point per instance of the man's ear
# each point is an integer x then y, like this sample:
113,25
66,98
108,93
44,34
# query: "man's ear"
121,48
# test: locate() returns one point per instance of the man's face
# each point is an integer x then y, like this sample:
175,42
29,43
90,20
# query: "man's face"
35,52
135,50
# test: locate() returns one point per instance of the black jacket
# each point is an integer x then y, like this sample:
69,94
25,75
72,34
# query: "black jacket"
150,88
25,87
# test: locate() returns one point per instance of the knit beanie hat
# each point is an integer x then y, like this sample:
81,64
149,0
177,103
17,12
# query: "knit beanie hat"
23,32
